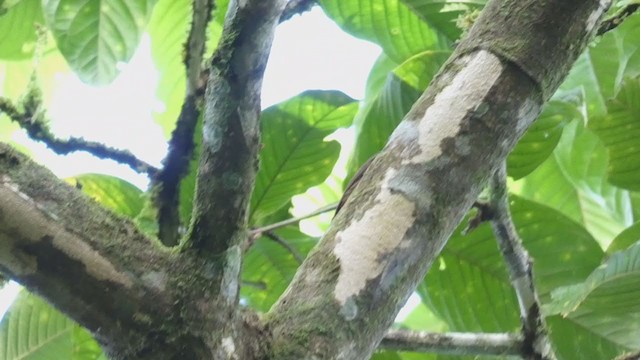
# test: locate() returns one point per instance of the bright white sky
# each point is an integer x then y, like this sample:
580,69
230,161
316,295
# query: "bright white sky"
309,52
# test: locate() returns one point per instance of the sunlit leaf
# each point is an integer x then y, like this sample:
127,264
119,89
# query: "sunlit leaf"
608,302
390,23
625,239
539,141
620,130
468,286
94,35
295,155
33,330
18,29
112,192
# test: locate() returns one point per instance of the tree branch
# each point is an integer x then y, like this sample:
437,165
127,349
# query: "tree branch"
291,221
231,140
418,188
453,343
537,344
296,7
32,121
617,19
181,146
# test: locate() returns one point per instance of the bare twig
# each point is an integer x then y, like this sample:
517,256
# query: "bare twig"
182,145
536,341
617,19
295,7
294,220
279,240
31,119
453,343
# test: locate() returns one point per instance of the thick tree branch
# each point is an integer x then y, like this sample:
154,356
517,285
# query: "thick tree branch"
417,190
181,146
89,263
231,140
537,345
453,343
32,121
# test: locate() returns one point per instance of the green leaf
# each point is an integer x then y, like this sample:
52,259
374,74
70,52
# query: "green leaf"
573,181
390,23
33,330
112,192
572,341
269,267
94,35
608,302
539,141
18,29
620,130
295,155
383,111
625,239
441,15
468,286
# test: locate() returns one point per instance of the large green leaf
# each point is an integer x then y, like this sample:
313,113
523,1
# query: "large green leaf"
608,302
112,192
572,341
384,110
295,155
620,130
573,181
33,330
468,286
625,239
539,141
94,35
269,267
441,15
390,23
18,29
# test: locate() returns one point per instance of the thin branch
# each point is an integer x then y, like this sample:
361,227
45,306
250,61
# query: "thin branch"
296,7
453,343
537,344
617,19
293,220
282,242
32,121
182,145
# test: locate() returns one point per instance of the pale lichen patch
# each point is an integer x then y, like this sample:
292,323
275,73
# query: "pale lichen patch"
229,347
451,106
593,18
362,246
231,274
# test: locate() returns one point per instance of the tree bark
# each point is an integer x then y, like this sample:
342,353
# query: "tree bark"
145,302
416,191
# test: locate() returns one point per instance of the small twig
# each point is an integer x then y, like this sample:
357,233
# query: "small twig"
295,7
537,344
36,127
453,343
296,254
617,19
182,144
294,220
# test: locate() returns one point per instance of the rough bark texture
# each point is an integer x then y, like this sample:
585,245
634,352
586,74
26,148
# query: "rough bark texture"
143,301
418,188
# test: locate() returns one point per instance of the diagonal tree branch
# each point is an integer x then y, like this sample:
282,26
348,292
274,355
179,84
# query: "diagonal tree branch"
282,242
617,19
418,188
453,343
537,345
166,183
32,121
